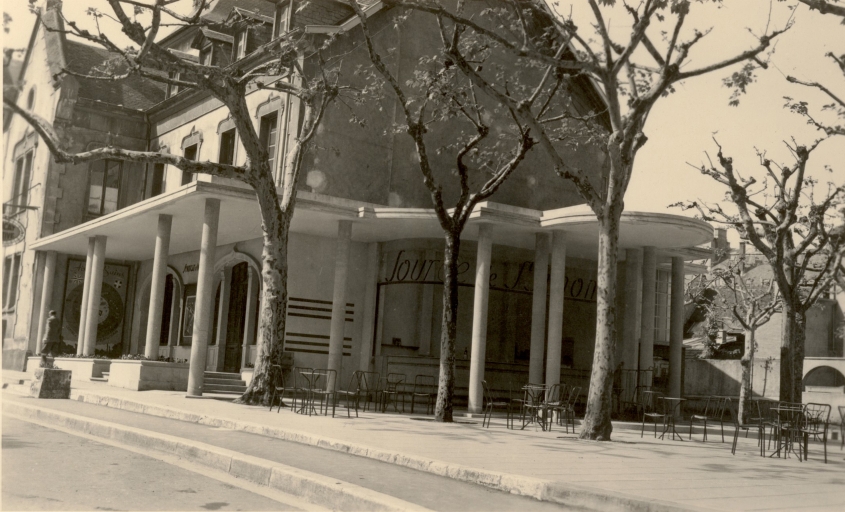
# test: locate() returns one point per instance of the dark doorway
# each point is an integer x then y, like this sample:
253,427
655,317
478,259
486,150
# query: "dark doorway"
166,310
237,318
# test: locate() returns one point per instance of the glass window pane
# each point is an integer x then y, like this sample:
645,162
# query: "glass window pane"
95,190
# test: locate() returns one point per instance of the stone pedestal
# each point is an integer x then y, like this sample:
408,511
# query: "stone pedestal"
50,383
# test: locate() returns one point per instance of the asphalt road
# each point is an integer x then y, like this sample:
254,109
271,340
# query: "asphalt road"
425,489
45,469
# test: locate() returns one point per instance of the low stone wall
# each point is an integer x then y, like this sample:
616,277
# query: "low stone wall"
246,375
81,368
146,375
722,377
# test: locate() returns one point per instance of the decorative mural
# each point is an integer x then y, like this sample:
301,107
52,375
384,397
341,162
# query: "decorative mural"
112,306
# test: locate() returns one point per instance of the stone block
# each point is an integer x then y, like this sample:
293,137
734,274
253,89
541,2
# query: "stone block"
50,383
145,375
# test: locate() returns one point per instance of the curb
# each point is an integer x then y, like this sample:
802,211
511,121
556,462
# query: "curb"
573,495
318,489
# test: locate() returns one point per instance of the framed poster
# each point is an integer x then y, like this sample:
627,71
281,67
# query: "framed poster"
188,316
112,308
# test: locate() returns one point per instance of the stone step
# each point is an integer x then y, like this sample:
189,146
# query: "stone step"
223,375
104,378
218,388
223,382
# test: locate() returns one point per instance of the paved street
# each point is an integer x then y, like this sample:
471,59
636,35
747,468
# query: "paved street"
44,469
407,484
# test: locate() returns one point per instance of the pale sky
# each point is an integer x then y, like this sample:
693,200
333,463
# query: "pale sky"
681,126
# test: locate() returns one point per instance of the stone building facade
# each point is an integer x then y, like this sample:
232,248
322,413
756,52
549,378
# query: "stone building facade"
363,222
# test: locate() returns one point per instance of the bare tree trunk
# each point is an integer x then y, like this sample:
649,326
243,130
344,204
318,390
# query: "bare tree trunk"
597,424
793,334
274,296
448,332
747,362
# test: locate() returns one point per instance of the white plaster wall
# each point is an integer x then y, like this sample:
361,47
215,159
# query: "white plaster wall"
21,319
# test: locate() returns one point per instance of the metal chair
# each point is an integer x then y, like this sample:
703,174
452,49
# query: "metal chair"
424,387
569,410
371,381
392,391
278,376
302,377
714,410
326,392
842,426
744,426
555,402
491,403
357,388
654,409
816,421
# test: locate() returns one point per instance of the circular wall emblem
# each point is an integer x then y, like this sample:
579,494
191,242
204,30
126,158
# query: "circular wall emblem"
110,312
13,231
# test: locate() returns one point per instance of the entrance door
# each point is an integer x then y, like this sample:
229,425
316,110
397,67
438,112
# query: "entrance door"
237,318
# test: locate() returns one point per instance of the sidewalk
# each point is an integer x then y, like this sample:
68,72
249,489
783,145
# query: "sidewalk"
631,472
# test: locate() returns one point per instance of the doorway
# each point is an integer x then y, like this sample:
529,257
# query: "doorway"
237,318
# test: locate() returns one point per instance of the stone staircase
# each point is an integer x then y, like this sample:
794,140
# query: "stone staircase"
223,383
104,378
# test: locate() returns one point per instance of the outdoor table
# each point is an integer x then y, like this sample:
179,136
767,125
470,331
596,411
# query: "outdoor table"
534,396
672,407
787,424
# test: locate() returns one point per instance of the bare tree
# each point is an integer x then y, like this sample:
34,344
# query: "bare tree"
438,99
630,86
796,235
752,304
272,66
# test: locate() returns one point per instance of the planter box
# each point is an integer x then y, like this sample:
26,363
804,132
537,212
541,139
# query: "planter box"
83,369
146,375
50,383
246,375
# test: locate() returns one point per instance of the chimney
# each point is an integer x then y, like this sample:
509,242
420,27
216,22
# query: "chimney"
720,246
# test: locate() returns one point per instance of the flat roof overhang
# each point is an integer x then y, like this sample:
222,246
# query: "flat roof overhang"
131,231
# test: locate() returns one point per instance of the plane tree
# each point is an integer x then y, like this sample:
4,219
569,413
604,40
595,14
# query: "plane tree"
274,65
632,74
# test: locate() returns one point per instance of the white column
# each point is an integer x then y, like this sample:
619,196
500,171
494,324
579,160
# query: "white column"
98,263
676,328
162,250
646,355
249,321
633,302
46,296
341,272
538,308
478,355
556,294
369,313
175,319
223,317
205,297
83,306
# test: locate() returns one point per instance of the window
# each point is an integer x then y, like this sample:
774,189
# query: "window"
23,174
227,147
281,18
206,54
159,179
11,272
190,154
104,187
172,89
267,137
240,44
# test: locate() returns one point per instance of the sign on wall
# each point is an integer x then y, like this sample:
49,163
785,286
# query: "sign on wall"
112,307
13,231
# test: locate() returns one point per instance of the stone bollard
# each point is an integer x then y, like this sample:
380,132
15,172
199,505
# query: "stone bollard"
50,383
